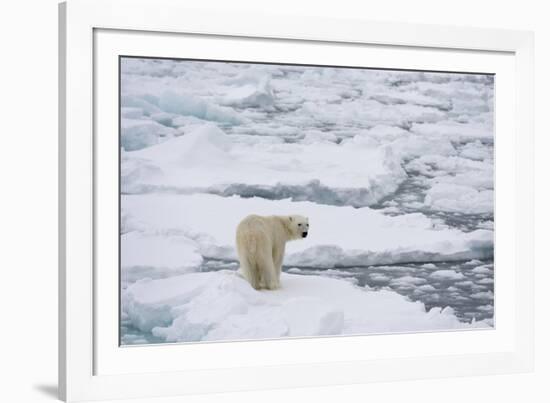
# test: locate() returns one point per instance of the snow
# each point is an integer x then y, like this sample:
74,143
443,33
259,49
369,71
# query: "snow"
223,306
154,255
457,198
211,221
349,173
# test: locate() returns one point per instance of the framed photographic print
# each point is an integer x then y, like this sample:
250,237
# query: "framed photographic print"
246,207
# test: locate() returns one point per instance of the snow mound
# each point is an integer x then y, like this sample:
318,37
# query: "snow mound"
222,306
190,149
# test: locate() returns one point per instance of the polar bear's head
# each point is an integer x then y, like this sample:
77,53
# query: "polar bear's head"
298,225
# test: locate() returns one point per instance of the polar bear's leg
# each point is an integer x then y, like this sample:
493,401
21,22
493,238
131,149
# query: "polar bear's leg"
278,262
266,267
246,249
251,274
269,273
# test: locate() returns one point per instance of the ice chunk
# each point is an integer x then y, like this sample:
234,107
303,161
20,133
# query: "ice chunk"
483,295
184,104
131,113
454,130
407,282
393,97
137,134
256,93
426,288
447,275
481,270
222,306
164,118
476,151
148,108
379,278
458,198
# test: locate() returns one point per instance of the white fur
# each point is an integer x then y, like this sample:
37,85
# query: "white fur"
261,246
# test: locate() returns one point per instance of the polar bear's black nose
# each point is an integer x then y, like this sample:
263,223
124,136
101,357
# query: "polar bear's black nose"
304,234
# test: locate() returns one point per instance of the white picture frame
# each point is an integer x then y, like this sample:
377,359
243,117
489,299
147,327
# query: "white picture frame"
91,366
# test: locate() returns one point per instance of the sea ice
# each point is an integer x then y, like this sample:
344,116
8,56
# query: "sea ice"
222,306
205,144
348,173
156,255
366,237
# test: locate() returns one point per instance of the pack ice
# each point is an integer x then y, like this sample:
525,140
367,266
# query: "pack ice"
390,167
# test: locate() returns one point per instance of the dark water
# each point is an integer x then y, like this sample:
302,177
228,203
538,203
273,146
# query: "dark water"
467,287
409,197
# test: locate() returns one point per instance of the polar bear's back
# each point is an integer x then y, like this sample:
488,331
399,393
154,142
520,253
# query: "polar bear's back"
249,230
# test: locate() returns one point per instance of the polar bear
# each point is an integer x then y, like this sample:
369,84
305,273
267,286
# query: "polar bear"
261,246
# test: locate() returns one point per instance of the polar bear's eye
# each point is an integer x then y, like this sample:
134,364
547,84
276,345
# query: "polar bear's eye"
300,224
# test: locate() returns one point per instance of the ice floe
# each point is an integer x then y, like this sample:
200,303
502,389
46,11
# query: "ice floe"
207,160
223,306
339,236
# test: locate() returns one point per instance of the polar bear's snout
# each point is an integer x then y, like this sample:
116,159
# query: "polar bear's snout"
304,227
